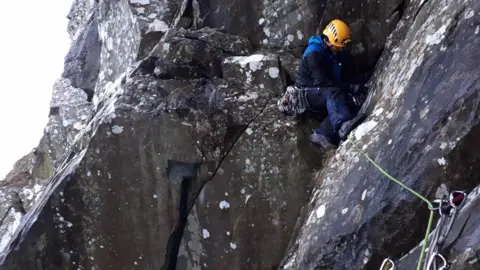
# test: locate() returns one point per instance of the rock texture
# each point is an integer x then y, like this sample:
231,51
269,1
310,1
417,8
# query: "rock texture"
423,118
164,148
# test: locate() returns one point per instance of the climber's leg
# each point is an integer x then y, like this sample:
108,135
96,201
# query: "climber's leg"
340,117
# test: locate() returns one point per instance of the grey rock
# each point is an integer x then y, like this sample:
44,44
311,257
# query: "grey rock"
183,162
82,63
421,125
257,69
78,16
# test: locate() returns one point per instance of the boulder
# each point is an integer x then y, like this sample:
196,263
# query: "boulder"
82,63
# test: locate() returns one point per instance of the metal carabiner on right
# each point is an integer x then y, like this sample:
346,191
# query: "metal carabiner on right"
431,260
387,263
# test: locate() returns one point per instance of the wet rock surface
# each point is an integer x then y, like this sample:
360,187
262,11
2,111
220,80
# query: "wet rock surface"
181,160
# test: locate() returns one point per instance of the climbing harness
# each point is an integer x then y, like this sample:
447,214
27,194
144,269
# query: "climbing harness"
447,208
387,264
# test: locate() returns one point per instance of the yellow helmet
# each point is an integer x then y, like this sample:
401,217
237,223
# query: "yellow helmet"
337,33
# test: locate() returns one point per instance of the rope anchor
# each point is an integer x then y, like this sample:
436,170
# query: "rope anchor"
450,206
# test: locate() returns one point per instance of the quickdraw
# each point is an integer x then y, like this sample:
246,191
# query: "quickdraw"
448,209
387,264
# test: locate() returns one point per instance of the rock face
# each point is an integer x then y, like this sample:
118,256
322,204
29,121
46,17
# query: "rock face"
423,118
165,150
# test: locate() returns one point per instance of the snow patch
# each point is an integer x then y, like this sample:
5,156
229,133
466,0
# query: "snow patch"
442,161
443,145
437,37
299,35
10,230
364,194
224,205
158,26
320,211
166,47
261,21
248,96
378,112
140,2
469,14
233,245
344,211
205,234
254,61
117,129
273,72
364,128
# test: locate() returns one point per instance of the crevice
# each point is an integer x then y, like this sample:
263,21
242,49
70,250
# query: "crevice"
225,155
449,35
54,111
402,6
419,9
5,215
17,203
175,239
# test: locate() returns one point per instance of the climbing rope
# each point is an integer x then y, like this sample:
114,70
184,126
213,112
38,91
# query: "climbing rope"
448,208
430,205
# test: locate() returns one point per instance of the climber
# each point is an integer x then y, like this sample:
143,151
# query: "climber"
321,86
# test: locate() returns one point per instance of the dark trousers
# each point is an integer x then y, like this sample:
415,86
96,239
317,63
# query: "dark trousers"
329,100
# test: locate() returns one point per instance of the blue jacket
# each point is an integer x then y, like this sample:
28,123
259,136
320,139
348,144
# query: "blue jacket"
319,67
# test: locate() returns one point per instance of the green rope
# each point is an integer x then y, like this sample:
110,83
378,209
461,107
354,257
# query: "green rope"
430,206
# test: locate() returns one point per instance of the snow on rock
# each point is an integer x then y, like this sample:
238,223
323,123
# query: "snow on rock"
224,205
117,129
255,69
205,234
140,2
8,228
158,26
364,129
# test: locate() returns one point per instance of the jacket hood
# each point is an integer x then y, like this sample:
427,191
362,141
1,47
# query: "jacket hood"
315,43
317,40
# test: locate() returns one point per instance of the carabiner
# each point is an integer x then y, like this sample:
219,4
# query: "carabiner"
384,264
453,195
431,260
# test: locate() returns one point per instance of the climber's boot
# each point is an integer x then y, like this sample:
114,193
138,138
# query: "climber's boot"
322,140
350,125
